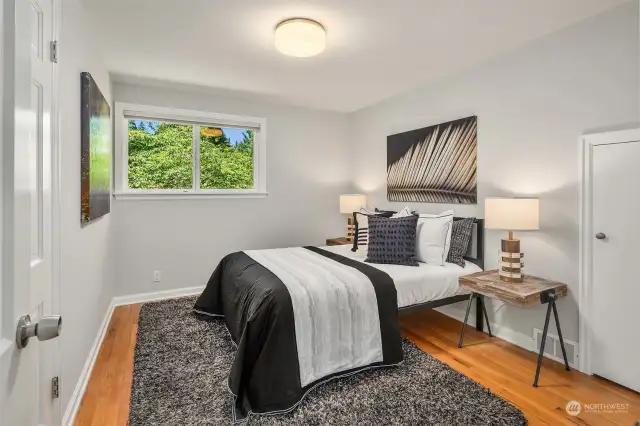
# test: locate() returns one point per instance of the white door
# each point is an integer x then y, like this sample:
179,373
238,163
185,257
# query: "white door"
27,264
616,256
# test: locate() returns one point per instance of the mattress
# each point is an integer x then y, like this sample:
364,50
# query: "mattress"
421,284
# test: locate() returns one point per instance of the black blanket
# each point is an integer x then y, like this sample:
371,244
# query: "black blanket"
258,311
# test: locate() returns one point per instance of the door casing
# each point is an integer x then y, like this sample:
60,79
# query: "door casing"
587,143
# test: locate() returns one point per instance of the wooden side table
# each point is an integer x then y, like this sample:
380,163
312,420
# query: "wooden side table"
531,292
338,241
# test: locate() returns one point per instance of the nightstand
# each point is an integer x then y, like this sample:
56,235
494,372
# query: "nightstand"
338,241
531,292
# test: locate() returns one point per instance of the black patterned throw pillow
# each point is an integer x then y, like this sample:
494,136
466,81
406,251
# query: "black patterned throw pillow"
461,231
392,240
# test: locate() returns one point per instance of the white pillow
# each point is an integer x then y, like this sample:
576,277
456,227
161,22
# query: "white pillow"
403,213
433,237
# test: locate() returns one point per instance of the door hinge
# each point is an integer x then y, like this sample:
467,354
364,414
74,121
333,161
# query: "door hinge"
55,387
54,52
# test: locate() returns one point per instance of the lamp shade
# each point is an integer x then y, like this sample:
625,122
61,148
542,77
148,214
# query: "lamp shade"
350,203
513,214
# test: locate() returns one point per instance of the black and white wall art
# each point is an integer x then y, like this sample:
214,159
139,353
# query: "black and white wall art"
435,164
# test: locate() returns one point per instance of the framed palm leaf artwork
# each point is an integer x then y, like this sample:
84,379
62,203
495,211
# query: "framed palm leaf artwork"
436,164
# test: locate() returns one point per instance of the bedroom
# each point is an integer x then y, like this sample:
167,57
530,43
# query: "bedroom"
132,217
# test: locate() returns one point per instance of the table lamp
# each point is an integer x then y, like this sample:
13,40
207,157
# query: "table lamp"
350,203
511,214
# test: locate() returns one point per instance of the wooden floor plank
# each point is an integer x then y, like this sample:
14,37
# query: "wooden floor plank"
106,400
498,365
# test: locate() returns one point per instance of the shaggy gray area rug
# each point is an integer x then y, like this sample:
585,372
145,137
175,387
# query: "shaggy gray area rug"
182,361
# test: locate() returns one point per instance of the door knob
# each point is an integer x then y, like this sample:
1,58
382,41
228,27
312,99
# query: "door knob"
45,329
600,236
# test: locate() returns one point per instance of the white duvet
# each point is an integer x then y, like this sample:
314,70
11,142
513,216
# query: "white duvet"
419,284
334,307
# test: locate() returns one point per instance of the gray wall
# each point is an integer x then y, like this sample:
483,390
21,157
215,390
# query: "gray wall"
307,170
86,263
532,105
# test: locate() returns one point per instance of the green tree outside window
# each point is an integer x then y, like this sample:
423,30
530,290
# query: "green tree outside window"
160,157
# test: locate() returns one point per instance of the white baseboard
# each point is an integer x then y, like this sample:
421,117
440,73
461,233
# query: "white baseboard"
158,295
76,397
81,386
523,340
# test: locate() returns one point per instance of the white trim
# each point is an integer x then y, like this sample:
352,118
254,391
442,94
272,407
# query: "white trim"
83,380
5,345
158,295
121,150
195,155
585,284
189,116
188,194
501,331
507,334
81,386
195,118
197,311
3,282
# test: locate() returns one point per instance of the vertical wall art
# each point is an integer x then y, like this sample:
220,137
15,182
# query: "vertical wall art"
95,157
435,164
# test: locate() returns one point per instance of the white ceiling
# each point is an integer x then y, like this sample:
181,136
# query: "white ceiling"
375,48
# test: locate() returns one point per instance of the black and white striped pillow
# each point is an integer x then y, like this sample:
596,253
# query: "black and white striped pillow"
361,221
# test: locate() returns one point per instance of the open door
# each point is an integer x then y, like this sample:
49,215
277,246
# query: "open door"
29,362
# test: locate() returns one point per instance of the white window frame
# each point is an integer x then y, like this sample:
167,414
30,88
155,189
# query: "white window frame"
126,111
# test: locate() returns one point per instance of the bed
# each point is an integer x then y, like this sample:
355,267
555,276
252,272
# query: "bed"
417,285
303,315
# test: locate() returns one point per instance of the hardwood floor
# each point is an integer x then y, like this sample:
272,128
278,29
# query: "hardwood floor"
504,368
106,400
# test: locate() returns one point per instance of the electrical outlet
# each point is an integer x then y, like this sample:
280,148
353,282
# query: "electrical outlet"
157,276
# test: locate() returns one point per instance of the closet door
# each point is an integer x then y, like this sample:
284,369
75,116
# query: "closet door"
616,263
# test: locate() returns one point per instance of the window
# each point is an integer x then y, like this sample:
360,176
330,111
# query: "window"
163,152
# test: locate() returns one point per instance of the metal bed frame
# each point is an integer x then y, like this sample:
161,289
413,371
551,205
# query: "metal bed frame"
478,259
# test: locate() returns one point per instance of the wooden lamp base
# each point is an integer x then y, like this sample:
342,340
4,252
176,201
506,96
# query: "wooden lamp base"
510,269
351,228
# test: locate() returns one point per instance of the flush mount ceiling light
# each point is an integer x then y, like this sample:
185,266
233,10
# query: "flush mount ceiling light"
300,37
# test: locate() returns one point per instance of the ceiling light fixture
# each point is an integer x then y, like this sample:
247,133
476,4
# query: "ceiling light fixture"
300,37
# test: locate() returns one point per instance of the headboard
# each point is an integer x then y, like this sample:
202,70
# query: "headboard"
475,251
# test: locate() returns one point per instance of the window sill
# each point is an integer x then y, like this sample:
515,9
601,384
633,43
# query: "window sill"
149,196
